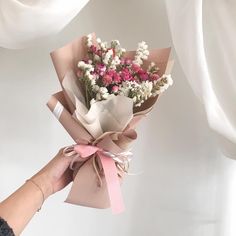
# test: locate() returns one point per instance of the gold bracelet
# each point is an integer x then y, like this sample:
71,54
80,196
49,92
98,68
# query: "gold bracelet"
33,182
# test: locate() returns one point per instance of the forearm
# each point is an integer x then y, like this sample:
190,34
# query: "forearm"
20,207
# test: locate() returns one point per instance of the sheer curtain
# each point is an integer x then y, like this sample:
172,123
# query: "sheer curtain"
24,21
203,33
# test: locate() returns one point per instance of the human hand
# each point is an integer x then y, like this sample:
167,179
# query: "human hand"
50,179
55,175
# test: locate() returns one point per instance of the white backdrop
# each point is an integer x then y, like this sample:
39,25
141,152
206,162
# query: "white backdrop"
187,188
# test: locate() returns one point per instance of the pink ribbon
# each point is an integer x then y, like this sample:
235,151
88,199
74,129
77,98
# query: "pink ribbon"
110,171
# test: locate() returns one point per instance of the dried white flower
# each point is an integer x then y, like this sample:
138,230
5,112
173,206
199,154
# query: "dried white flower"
104,46
103,90
138,61
115,44
105,95
92,101
99,41
108,57
81,64
146,89
85,67
96,88
169,80
92,81
142,53
115,62
88,75
89,40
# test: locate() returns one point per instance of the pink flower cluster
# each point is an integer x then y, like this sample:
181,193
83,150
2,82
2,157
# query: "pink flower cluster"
112,78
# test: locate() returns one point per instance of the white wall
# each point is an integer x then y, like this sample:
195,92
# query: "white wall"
186,187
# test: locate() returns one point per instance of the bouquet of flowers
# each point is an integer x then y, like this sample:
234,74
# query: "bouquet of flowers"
106,91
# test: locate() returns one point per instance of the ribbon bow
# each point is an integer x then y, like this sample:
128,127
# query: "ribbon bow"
108,161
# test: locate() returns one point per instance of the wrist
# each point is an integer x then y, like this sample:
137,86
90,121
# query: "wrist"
44,185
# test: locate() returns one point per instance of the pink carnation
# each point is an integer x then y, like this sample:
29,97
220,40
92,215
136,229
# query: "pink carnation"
115,89
128,61
136,68
107,79
100,69
93,49
111,72
116,78
143,76
126,75
122,61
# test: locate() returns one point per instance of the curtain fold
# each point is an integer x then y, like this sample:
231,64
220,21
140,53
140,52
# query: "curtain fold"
203,33
24,21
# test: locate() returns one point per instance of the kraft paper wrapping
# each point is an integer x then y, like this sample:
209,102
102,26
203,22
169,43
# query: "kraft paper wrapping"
109,124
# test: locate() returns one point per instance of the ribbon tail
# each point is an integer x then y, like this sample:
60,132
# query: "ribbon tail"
113,183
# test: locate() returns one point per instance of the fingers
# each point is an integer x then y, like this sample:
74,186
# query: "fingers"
63,182
61,162
60,153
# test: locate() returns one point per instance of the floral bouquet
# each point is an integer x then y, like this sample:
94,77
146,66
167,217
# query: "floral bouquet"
106,91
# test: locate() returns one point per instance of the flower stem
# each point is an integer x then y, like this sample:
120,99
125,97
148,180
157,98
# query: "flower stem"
87,96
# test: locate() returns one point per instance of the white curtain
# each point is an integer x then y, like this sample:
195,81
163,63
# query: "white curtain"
204,34
24,21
